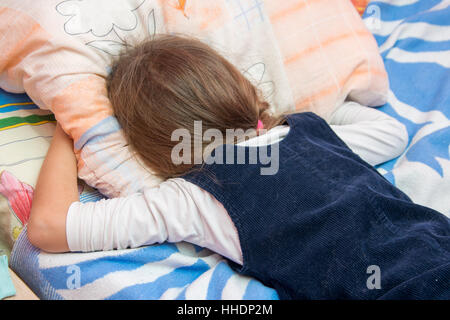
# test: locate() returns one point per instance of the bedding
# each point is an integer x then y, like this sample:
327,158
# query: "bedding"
414,39
25,133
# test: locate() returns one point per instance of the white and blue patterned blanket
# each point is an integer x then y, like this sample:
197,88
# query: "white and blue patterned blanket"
414,41
414,38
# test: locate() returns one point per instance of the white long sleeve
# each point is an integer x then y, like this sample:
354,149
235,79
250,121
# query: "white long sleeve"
370,133
175,211
178,210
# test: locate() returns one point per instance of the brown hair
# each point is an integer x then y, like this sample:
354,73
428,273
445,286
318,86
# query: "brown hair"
169,82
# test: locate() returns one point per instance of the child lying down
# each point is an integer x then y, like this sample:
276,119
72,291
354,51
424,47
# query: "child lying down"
288,199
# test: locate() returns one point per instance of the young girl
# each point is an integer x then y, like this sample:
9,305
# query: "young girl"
316,228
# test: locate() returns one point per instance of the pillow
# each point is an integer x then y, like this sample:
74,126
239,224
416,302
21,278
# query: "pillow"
303,55
328,53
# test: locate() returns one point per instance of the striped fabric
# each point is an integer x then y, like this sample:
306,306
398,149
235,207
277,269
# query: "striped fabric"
168,271
25,133
325,39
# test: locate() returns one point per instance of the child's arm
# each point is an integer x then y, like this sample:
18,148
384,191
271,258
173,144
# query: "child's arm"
55,190
174,211
373,135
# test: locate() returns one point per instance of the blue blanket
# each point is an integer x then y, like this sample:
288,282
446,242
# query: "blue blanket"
414,38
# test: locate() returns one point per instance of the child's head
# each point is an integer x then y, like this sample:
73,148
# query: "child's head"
168,83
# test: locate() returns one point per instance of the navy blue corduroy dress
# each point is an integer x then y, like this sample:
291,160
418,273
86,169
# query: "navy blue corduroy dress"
319,227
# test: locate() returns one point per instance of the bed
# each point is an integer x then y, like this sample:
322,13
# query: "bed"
414,41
